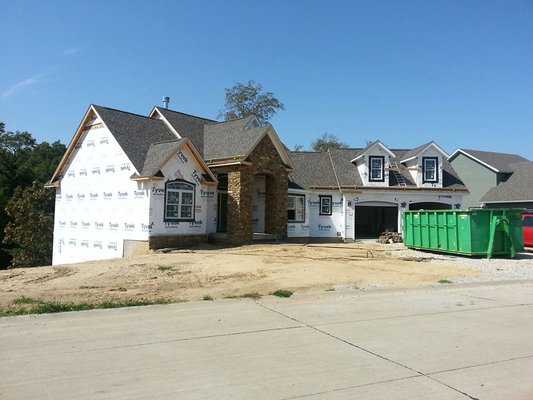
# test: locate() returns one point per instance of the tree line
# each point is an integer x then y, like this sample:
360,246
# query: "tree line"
27,212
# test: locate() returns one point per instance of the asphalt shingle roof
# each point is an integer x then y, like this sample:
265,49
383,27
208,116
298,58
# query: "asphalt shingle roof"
188,126
134,133
158,153
318,169
519,187
227,140
311,169
414,152
500,161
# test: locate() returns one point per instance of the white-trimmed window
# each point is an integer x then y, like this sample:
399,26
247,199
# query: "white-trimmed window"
325,205
429,169
179,201
296,208
376,168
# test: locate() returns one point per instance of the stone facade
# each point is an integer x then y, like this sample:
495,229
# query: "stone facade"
264,160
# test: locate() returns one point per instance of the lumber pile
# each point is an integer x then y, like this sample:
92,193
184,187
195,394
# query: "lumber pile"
390,237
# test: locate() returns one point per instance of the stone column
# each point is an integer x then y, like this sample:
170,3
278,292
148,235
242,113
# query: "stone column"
240,205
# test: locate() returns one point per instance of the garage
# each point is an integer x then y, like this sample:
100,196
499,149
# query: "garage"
374,218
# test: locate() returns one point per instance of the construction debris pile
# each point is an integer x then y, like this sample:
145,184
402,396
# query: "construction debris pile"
390,237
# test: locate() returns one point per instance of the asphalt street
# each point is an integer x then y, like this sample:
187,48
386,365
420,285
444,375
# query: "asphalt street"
447,342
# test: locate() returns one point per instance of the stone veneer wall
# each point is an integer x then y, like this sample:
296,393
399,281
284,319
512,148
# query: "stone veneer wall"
265,160
163,241
240,205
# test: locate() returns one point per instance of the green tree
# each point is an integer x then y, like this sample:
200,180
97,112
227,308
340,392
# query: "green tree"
31,227
22,162
327,141
248,99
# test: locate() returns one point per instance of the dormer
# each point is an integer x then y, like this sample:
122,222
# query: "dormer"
424,164
372,163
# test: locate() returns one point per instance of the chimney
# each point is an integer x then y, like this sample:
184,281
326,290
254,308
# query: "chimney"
166,100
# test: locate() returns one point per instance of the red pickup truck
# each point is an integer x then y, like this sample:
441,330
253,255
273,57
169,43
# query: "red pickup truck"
527,221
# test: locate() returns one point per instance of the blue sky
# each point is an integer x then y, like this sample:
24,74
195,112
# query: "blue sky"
403,72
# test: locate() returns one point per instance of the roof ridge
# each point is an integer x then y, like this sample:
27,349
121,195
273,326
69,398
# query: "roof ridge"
235,119
188,115
125,112
488,151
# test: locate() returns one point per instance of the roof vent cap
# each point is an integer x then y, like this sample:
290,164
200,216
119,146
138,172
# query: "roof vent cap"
166,100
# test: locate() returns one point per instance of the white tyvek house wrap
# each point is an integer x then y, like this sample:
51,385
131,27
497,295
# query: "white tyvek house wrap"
182,166
317,225
98,206
341,223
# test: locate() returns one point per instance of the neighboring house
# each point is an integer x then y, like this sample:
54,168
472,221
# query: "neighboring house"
516,192
360,193
129,183
481,171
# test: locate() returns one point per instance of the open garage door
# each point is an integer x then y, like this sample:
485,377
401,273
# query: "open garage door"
372,220
429,206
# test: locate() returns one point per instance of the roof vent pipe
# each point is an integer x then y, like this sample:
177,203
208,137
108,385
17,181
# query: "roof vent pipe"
166,100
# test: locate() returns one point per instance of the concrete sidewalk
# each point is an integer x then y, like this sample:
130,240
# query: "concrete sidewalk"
454,342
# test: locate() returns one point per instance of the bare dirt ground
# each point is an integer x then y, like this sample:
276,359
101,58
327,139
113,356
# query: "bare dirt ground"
235,271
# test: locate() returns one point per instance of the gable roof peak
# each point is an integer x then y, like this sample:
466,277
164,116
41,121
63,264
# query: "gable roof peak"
497,162
374,143
163,110
411,154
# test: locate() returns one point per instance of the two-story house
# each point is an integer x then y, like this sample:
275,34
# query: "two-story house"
128,183
360,193
482,171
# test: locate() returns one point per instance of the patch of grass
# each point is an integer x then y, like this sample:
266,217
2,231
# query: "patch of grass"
445,281
164,268
330,290
207,298
282,293
50,307
24,300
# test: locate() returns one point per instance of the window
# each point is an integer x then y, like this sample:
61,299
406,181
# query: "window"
296,208
179,201
376,168
325,205
429,169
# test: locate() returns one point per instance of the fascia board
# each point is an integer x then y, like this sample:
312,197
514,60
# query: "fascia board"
460,151
156,111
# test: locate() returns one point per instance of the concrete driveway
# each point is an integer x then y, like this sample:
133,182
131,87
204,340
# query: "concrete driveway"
450,342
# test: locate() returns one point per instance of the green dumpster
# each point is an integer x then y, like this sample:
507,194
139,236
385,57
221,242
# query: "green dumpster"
477,232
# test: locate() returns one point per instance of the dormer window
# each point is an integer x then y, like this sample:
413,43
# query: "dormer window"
429,169
376,168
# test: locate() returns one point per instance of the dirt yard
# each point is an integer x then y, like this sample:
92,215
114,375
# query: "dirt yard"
225,272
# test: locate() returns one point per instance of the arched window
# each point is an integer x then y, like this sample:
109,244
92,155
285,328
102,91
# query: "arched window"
179,201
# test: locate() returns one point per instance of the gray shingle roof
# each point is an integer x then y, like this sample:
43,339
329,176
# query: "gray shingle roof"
347,173
134,133
188,126
414,152
316,169
311,169
519,187
157,154
227,140
214,139
500,161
